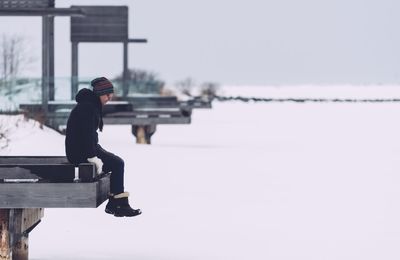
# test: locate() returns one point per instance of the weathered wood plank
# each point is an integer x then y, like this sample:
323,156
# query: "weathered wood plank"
141,135
40,12
103,190
33,160
67,107
146,121
100,24
15,227
21,222
123,104
50,172
41,168
7,173
149,112
20,251
104,10
87,172
30,217
153,101
135,105
118,107
8,4
60,123
54,195
138,40
5,250
14,221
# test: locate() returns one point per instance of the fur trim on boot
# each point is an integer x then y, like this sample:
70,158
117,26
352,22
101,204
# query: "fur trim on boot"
121,195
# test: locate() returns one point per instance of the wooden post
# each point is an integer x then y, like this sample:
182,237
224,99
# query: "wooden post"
21,250
149,131
74,70
125,83
5,250
15,227
51,94
141,135
45,62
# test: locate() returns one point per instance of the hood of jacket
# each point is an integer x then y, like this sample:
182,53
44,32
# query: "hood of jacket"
87,96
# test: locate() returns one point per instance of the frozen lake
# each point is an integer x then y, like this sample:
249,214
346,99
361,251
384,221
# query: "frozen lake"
244,181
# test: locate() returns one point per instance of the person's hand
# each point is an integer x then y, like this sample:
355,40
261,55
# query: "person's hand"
97,162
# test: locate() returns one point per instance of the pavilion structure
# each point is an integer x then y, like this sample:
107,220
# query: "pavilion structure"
47,10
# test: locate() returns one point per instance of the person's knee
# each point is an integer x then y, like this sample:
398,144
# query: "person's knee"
116,164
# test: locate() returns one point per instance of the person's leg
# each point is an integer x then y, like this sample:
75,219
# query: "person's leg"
114,164
118,203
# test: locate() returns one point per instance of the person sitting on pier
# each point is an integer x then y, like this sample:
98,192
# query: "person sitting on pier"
81,143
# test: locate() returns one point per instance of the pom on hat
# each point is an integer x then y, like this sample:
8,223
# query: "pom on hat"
102,86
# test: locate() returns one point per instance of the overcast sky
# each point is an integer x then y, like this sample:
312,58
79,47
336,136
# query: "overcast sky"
252,42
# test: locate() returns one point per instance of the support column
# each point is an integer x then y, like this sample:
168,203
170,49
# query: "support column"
45,62
125,83
5,249
74,70
51,57
21,249
143,133
15,225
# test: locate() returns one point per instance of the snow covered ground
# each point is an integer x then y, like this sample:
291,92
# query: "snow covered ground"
244,181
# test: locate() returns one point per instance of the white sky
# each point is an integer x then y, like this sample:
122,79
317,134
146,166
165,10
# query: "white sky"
251,42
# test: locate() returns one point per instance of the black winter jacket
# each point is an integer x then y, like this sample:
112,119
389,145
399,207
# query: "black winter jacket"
81,136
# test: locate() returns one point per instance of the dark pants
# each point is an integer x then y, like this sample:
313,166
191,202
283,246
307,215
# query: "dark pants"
115,165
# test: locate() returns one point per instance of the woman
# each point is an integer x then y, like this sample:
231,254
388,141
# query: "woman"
81,143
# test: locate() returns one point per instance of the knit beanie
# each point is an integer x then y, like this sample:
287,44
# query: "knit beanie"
102,86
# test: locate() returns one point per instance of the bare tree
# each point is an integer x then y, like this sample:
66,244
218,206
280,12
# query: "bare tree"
186,86
209,89
14,58
142,81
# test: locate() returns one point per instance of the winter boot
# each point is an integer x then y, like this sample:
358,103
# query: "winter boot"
118,205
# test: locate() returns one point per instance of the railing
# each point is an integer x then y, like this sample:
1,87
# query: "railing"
24,90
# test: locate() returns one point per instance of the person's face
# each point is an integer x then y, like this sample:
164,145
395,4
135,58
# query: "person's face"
105,98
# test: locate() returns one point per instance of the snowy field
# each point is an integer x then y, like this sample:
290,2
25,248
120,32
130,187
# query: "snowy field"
260,181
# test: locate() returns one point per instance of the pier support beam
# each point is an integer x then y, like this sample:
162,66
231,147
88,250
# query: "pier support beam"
15,225
143,133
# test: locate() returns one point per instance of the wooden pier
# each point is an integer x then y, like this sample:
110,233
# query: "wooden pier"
28,184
